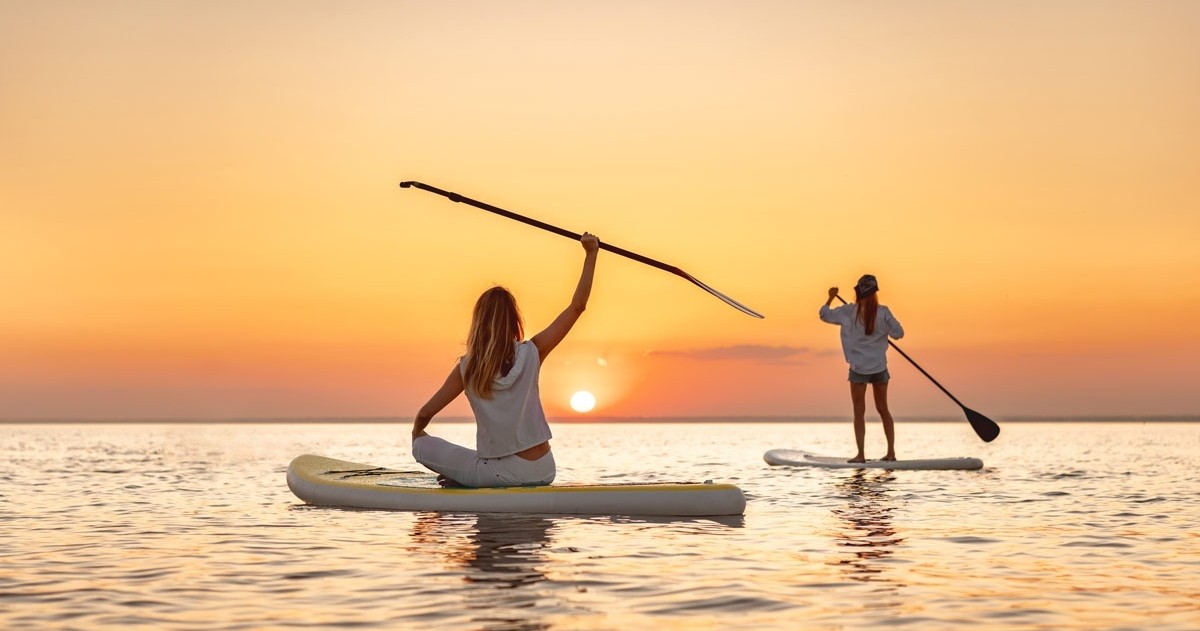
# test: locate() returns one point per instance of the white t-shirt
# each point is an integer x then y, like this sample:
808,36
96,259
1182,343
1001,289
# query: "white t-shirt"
513,419
866,354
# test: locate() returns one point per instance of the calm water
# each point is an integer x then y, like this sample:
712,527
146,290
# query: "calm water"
1069,526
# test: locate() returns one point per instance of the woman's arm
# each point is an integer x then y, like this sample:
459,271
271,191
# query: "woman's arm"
440,399
553,334
827,314
893,328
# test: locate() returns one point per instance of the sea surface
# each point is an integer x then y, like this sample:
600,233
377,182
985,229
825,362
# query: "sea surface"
191,526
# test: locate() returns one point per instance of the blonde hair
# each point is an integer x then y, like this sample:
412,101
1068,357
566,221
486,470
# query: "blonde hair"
495,327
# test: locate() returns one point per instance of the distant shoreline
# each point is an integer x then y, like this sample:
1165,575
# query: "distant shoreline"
599,419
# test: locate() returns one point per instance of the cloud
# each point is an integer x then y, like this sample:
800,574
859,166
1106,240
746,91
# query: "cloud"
744,352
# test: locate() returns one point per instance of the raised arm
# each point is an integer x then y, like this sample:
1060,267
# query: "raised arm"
449,391
833,294
553,334
827,313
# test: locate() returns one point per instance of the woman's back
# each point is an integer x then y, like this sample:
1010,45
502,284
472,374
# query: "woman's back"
511,419
866,353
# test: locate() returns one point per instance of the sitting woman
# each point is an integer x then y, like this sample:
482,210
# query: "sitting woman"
499,374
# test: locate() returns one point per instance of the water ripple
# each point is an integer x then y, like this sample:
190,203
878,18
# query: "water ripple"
191,527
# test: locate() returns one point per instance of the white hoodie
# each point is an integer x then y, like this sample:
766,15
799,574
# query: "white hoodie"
513,419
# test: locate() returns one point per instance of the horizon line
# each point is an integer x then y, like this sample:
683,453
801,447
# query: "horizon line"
1031,418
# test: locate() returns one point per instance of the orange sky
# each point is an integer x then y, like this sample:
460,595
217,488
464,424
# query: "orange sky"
199,214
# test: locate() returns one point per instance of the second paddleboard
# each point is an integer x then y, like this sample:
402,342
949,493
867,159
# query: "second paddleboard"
797,458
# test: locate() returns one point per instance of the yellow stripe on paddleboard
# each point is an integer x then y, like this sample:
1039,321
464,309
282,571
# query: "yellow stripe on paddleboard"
320,470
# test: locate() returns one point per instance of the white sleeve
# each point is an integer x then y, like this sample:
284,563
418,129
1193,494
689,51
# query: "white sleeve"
892,326
833,315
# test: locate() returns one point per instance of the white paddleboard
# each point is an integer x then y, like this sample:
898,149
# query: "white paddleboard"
797,458
329,482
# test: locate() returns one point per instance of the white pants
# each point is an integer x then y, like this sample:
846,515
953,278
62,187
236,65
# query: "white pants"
466,467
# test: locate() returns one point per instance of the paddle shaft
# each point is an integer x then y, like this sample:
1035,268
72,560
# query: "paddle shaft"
918,367
455,197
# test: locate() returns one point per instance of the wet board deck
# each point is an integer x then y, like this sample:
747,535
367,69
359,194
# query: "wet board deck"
330,482
797,458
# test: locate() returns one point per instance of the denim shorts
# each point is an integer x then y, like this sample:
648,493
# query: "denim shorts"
879,377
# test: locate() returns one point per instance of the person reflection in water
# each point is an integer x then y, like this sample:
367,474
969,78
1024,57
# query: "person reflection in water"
869,537
499,374
503,549
502,557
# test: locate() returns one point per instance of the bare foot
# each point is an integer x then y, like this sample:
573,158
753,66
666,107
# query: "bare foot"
447,483
890,457
858,458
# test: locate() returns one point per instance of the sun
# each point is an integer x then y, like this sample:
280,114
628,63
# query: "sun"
583,401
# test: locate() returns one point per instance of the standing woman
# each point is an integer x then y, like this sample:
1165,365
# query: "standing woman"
866,327
499,374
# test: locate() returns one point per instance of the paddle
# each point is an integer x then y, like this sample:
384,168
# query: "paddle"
987,429
455,197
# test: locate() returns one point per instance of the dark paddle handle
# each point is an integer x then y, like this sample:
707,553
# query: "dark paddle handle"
918,367
455,197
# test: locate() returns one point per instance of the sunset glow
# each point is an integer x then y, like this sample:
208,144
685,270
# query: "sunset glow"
200,218
583,401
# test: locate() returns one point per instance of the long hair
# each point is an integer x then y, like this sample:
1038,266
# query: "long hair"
495,326
865,310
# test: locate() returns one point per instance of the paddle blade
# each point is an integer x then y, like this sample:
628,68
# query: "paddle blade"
729,301
987,429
